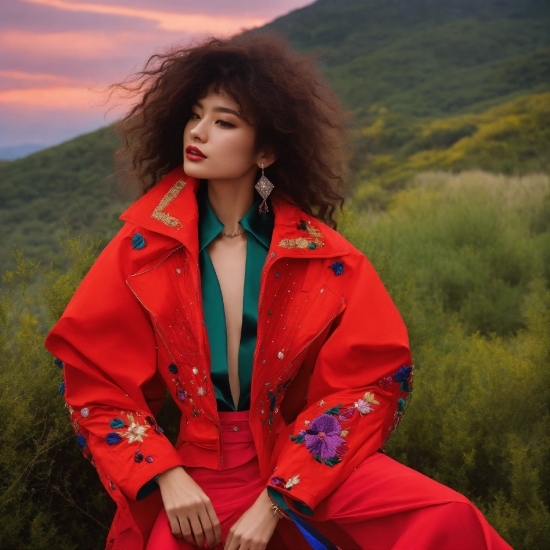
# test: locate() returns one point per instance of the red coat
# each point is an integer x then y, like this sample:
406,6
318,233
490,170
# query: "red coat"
328,385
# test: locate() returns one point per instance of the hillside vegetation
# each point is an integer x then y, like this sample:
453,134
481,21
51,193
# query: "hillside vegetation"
439,89
409,70
424,58
467,260
513,138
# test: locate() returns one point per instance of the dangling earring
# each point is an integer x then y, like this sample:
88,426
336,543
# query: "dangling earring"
264,188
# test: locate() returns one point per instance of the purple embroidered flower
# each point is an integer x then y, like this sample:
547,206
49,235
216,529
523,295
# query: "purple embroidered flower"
149,459
346,415
323,436
278,481
385,382
337,267
402,375
181,395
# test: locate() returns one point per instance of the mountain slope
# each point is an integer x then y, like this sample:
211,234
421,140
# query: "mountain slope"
425,57
399,65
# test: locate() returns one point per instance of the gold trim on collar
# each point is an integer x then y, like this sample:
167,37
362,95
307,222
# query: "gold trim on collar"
313,240
159,213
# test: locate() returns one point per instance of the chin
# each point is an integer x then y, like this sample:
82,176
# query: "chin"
194,171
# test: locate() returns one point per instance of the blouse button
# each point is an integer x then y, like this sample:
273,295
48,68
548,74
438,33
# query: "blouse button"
235,429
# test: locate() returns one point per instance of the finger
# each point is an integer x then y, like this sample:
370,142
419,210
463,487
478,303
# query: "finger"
228,540
186,531
196,527
215,522
207,528
174,525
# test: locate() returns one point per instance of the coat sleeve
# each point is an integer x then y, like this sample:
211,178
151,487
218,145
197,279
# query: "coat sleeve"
360,384
106,343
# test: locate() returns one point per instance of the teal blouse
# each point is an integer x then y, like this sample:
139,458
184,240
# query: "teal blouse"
259,228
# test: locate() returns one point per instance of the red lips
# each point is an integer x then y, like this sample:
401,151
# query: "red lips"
194,153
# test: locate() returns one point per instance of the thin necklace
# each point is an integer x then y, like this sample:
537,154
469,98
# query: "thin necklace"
233,234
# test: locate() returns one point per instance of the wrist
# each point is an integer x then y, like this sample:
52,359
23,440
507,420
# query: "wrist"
275,509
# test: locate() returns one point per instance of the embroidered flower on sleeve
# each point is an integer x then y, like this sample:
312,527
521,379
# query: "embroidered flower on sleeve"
364,405
135,432
323,439
279,481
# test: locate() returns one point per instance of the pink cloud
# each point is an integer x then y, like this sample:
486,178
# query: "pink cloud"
170,21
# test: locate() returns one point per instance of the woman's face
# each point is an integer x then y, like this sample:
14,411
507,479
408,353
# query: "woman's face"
218,144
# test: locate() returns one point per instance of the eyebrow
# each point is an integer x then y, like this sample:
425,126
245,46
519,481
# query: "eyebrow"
221,110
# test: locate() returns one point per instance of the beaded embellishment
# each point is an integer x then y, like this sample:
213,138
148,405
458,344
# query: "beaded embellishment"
313,240
159,211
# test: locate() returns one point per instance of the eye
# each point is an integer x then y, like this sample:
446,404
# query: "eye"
225,123
194,116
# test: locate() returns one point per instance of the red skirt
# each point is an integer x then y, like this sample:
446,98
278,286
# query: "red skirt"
382,505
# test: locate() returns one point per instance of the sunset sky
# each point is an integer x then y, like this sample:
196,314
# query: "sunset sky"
57,56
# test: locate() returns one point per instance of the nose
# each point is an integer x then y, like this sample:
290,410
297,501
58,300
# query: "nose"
198,132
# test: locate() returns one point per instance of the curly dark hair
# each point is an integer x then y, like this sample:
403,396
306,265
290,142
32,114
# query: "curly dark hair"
278,90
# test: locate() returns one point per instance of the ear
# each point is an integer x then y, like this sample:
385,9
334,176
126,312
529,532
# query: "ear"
267,157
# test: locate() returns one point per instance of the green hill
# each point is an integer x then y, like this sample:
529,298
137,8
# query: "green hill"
425,58
398,65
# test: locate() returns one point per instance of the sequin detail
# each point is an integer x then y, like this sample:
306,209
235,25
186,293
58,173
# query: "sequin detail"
138,241
159,213
313,240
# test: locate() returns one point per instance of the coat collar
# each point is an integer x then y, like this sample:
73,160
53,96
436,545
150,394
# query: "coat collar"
170,208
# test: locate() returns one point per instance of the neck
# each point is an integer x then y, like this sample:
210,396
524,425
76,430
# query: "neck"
230,202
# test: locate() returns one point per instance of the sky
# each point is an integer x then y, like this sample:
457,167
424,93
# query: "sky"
58,56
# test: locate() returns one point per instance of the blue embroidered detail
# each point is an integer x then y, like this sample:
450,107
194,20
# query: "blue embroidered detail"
58,363
158,429
138,241
402,374
113,438
302,225
337,267
312,246
149,459
81,440
150,420
138,457
173,368
61,388
404,377
117,423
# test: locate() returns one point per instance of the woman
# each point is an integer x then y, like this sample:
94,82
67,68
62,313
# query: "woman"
274,336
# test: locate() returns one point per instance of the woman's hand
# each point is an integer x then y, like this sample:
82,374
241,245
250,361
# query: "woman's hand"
254,529
189,510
